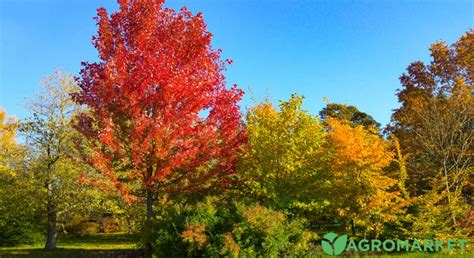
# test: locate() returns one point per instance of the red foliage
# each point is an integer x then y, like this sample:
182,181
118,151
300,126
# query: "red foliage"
146,96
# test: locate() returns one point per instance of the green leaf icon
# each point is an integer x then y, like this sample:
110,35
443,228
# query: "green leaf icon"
334,245
340,244
327,247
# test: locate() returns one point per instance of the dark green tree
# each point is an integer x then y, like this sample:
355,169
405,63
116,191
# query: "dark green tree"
348,113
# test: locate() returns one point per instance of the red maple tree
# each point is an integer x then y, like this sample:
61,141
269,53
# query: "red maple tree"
159,114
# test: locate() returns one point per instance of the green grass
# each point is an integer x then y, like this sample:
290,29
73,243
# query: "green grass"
122,245
100,245
104,241
415,255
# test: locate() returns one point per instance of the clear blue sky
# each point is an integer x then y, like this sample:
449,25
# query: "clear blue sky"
349,51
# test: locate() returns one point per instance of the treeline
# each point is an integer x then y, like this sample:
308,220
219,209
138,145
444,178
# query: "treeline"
150,141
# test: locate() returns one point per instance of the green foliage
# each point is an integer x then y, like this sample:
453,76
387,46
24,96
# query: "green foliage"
348,113
21,213
54,161
282,168
21,208
268,233
80,226
431,216
214,228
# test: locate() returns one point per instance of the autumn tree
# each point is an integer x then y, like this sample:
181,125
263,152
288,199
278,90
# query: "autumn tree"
282,167
436,119
362,192
160,119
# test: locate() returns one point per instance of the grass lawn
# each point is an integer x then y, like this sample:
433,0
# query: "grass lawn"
100,245
124,246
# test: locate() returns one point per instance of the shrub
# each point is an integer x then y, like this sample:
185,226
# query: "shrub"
18,231
214,228
81,226
22,216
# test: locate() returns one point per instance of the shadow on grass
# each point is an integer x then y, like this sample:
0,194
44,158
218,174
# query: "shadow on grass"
101,238
99,245
79,253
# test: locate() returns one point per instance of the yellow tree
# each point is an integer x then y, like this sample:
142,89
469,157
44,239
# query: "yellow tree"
7,138
361,192
283,164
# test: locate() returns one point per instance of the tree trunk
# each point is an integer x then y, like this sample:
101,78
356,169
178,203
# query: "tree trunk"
353,227
149,205
101,224
149,215
52,218
448,191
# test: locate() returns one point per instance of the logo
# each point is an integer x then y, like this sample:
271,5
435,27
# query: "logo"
334,245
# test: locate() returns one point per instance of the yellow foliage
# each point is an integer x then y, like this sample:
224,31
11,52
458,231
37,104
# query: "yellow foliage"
363,192
356,147
8,146
7,130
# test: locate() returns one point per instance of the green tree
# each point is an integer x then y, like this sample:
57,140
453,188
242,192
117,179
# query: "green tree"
51,149
282,167
348,113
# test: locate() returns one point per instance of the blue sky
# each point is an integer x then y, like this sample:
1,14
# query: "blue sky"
348,51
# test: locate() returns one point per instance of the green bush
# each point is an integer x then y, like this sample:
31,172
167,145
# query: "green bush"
213,228
16,231
81,226
22,214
